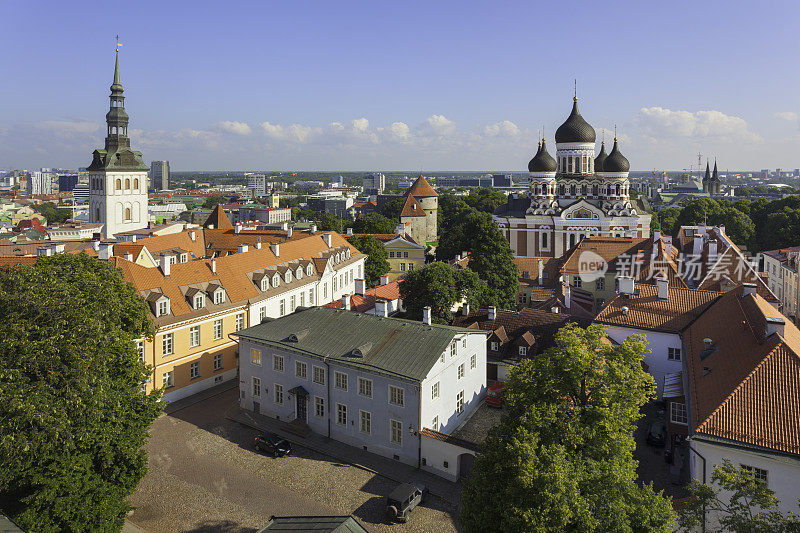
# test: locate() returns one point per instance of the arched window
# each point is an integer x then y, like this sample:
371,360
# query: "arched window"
544,239
594,190
136,184
127,213
119,184
572,190
127,184
97,213
583,190
618,189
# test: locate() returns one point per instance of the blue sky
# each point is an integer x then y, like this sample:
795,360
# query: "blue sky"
402,85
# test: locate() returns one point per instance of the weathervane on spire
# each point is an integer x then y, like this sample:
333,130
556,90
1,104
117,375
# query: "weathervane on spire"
615,133
118,43
575,89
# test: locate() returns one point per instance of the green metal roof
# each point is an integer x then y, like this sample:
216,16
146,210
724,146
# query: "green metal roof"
403,348
315,524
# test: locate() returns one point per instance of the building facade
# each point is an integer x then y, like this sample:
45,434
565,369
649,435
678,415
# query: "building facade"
374,184
159,175
419,213
117,174
577,194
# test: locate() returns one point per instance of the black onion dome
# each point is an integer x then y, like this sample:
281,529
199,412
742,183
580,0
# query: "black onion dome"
616,162
542,161
575,129
601,157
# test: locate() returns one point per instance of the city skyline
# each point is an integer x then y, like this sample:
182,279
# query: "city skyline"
433,88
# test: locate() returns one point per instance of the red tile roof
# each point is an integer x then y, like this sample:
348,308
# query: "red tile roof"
218,219
422,188
412,208
366,302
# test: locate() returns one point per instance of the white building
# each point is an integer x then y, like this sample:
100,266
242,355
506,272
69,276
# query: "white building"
39,183
783,274
117,174
369,381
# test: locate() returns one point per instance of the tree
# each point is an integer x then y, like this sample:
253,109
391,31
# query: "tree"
439,286
485,199
53,214
212,201
374,223
74,415
376,264
747,505
562,457
392,208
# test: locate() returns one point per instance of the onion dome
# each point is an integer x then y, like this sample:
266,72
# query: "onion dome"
542,161
616,162
575,129
598,161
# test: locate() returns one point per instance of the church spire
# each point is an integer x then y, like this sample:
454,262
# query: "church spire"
117,83
715,175
708,172
117,118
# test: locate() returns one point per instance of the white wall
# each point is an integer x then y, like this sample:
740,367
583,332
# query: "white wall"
436,453
658,342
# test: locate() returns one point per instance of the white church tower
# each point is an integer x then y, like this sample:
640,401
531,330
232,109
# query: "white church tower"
117,175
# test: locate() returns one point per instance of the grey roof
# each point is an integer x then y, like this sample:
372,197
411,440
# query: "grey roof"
575,129
616,162
316,524
542,161
601,157
404,348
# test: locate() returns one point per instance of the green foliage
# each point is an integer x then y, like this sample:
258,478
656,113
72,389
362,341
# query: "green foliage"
439,286
74,416
53,214
391,209
288,201
376,264
485,199
374,223
746,506
562,457
738,225
212,201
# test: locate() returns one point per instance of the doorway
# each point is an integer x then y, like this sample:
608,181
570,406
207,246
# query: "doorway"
302,407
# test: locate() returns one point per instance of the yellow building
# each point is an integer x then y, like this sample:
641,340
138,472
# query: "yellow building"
402,252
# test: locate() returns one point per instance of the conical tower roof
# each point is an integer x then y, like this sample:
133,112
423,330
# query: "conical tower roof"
707,175
715,174
421,188
218,219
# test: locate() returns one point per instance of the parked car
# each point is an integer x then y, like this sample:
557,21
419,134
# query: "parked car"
272,444
402,500
494,394
657,433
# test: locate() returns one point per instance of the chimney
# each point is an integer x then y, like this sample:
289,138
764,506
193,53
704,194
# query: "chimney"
313,229
57,248
211,226
492,312
465,309
133,238
192,235
258,243
214,266
328,239
554,309
237,228
381,307
712,252
400,229
775,324
567,295
749,288
384,280
721,228
346,302
276,249
708,343
625,310
626,285
360,286
349,231
656,235
426,314
540,266
95,245
106,251
129,257
663,288
285,226
289,232
165,265
242,249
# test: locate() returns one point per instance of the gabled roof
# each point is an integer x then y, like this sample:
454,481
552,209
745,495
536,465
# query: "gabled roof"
366,302
610,249
745,389
421,188
732,264
218,219
412,208
317,524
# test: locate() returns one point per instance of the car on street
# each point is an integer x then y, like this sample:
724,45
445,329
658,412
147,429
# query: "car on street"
403,499
272,444
657,433
494,394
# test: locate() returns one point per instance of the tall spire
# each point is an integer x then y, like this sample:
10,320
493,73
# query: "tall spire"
708,172
117,82
714,175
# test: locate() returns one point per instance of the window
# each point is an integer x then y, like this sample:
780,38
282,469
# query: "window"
217,329
219,297
194,370
278,393
396,396
319,375
163,307
460,402
341,414
453,348
674,354
600,284
240,322
283,307
442,358
257,387
167,379
391,255
199,301
473,362
262,314
194,336
319,406
301,369
264,283
576,282
464,342
461,371
334,283
523,351
340,380
277,363
324,290
494,346
310,296
435,423
140,350
365,422
396,432
402,267
405,255
292,302
302,299
435,391
760,475
411,266
166,343
677,413
218,362
255,356
365,387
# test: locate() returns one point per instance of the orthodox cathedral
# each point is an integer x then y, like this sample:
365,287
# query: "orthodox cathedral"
576,194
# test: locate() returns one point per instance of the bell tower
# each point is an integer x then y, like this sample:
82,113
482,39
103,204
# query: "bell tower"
117,175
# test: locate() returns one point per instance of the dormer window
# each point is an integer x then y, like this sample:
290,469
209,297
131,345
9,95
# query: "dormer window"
299,273
219,297
523,351
288,276
184,257
163,307
199,301
347,254
309,270
276,280
264,283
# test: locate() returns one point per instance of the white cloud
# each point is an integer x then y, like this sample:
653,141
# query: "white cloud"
790,116
293,133
239,128
400,131
360,124
505,128
437,125
659,122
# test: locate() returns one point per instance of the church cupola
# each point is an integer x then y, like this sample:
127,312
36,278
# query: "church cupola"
575,129
575,140
616,165
117,118
542,163
598,161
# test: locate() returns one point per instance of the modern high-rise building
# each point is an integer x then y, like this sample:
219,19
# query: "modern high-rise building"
258,184
159,175
117,175
374,183
39,183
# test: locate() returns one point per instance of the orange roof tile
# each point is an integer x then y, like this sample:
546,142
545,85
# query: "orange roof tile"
609,248
218,219
422,188
365,302
412,208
